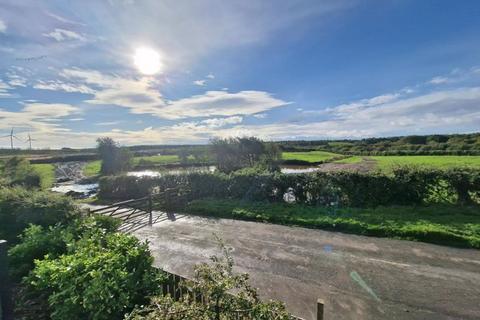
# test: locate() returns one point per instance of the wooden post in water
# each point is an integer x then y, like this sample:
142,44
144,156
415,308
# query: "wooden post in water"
150,209
6,307
320,305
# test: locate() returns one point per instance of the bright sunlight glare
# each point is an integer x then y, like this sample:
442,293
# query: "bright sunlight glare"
147,61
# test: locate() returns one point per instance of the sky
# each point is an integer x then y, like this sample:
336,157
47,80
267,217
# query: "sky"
184,72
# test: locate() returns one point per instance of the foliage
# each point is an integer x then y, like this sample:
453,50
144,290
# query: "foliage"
20,207
103,276
114,159
37,241
236,153
403,186
456,144
226,295
17,171
441,224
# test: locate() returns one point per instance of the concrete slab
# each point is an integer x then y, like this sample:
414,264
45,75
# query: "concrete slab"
358,277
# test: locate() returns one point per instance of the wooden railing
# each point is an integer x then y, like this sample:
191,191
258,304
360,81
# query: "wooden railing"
127,210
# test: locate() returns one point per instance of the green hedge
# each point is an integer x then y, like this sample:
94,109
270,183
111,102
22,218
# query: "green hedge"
405,186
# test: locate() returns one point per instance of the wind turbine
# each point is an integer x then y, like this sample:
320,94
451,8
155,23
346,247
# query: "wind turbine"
11,135
29,140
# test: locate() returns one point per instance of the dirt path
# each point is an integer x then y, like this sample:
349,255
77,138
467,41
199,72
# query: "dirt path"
367,164
358,277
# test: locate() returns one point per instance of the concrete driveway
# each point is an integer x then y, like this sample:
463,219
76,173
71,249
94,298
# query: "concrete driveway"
358,277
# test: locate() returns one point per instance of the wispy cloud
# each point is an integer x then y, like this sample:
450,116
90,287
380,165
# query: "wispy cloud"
58,85
64,35
438,80
199,82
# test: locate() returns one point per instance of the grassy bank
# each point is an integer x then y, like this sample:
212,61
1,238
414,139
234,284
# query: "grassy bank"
446,225
311,156
92,168
386,163
46,172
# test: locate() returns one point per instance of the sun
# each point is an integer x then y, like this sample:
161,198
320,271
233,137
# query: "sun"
147,61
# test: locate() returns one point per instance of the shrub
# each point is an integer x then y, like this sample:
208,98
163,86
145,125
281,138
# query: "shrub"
17,171
105,276
36,241
20,207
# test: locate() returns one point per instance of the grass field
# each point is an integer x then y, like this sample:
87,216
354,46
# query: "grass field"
447,225
93,167
354,159
47,174
157,160
386,163
310,156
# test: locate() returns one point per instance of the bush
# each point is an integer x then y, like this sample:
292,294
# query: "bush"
17,171
106,275
36,241
20,207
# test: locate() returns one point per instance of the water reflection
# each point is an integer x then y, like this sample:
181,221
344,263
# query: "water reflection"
298,169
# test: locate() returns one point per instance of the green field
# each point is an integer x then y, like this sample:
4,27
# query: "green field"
387,163
157,160
47,174
354,159
93,167
310,156
447,225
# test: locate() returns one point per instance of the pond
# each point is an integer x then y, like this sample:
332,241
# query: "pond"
76,189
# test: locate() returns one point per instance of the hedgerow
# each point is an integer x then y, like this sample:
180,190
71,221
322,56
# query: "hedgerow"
404,186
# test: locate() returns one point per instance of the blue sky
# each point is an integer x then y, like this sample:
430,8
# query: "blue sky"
274,69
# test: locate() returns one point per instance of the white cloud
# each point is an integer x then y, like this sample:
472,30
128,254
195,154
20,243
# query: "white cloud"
210,76
140,96
135,94
38,118
221,122
199,82
260,115
221,103
3,26
4,89
60,18
438,80
58,85
64,35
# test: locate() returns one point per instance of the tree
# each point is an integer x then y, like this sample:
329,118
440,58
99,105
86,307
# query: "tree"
236,153
114,159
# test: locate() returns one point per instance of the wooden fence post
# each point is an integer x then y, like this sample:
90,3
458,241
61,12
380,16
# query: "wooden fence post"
6,307
320,305
150,209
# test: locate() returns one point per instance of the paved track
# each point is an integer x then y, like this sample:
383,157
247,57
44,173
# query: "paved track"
358,277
